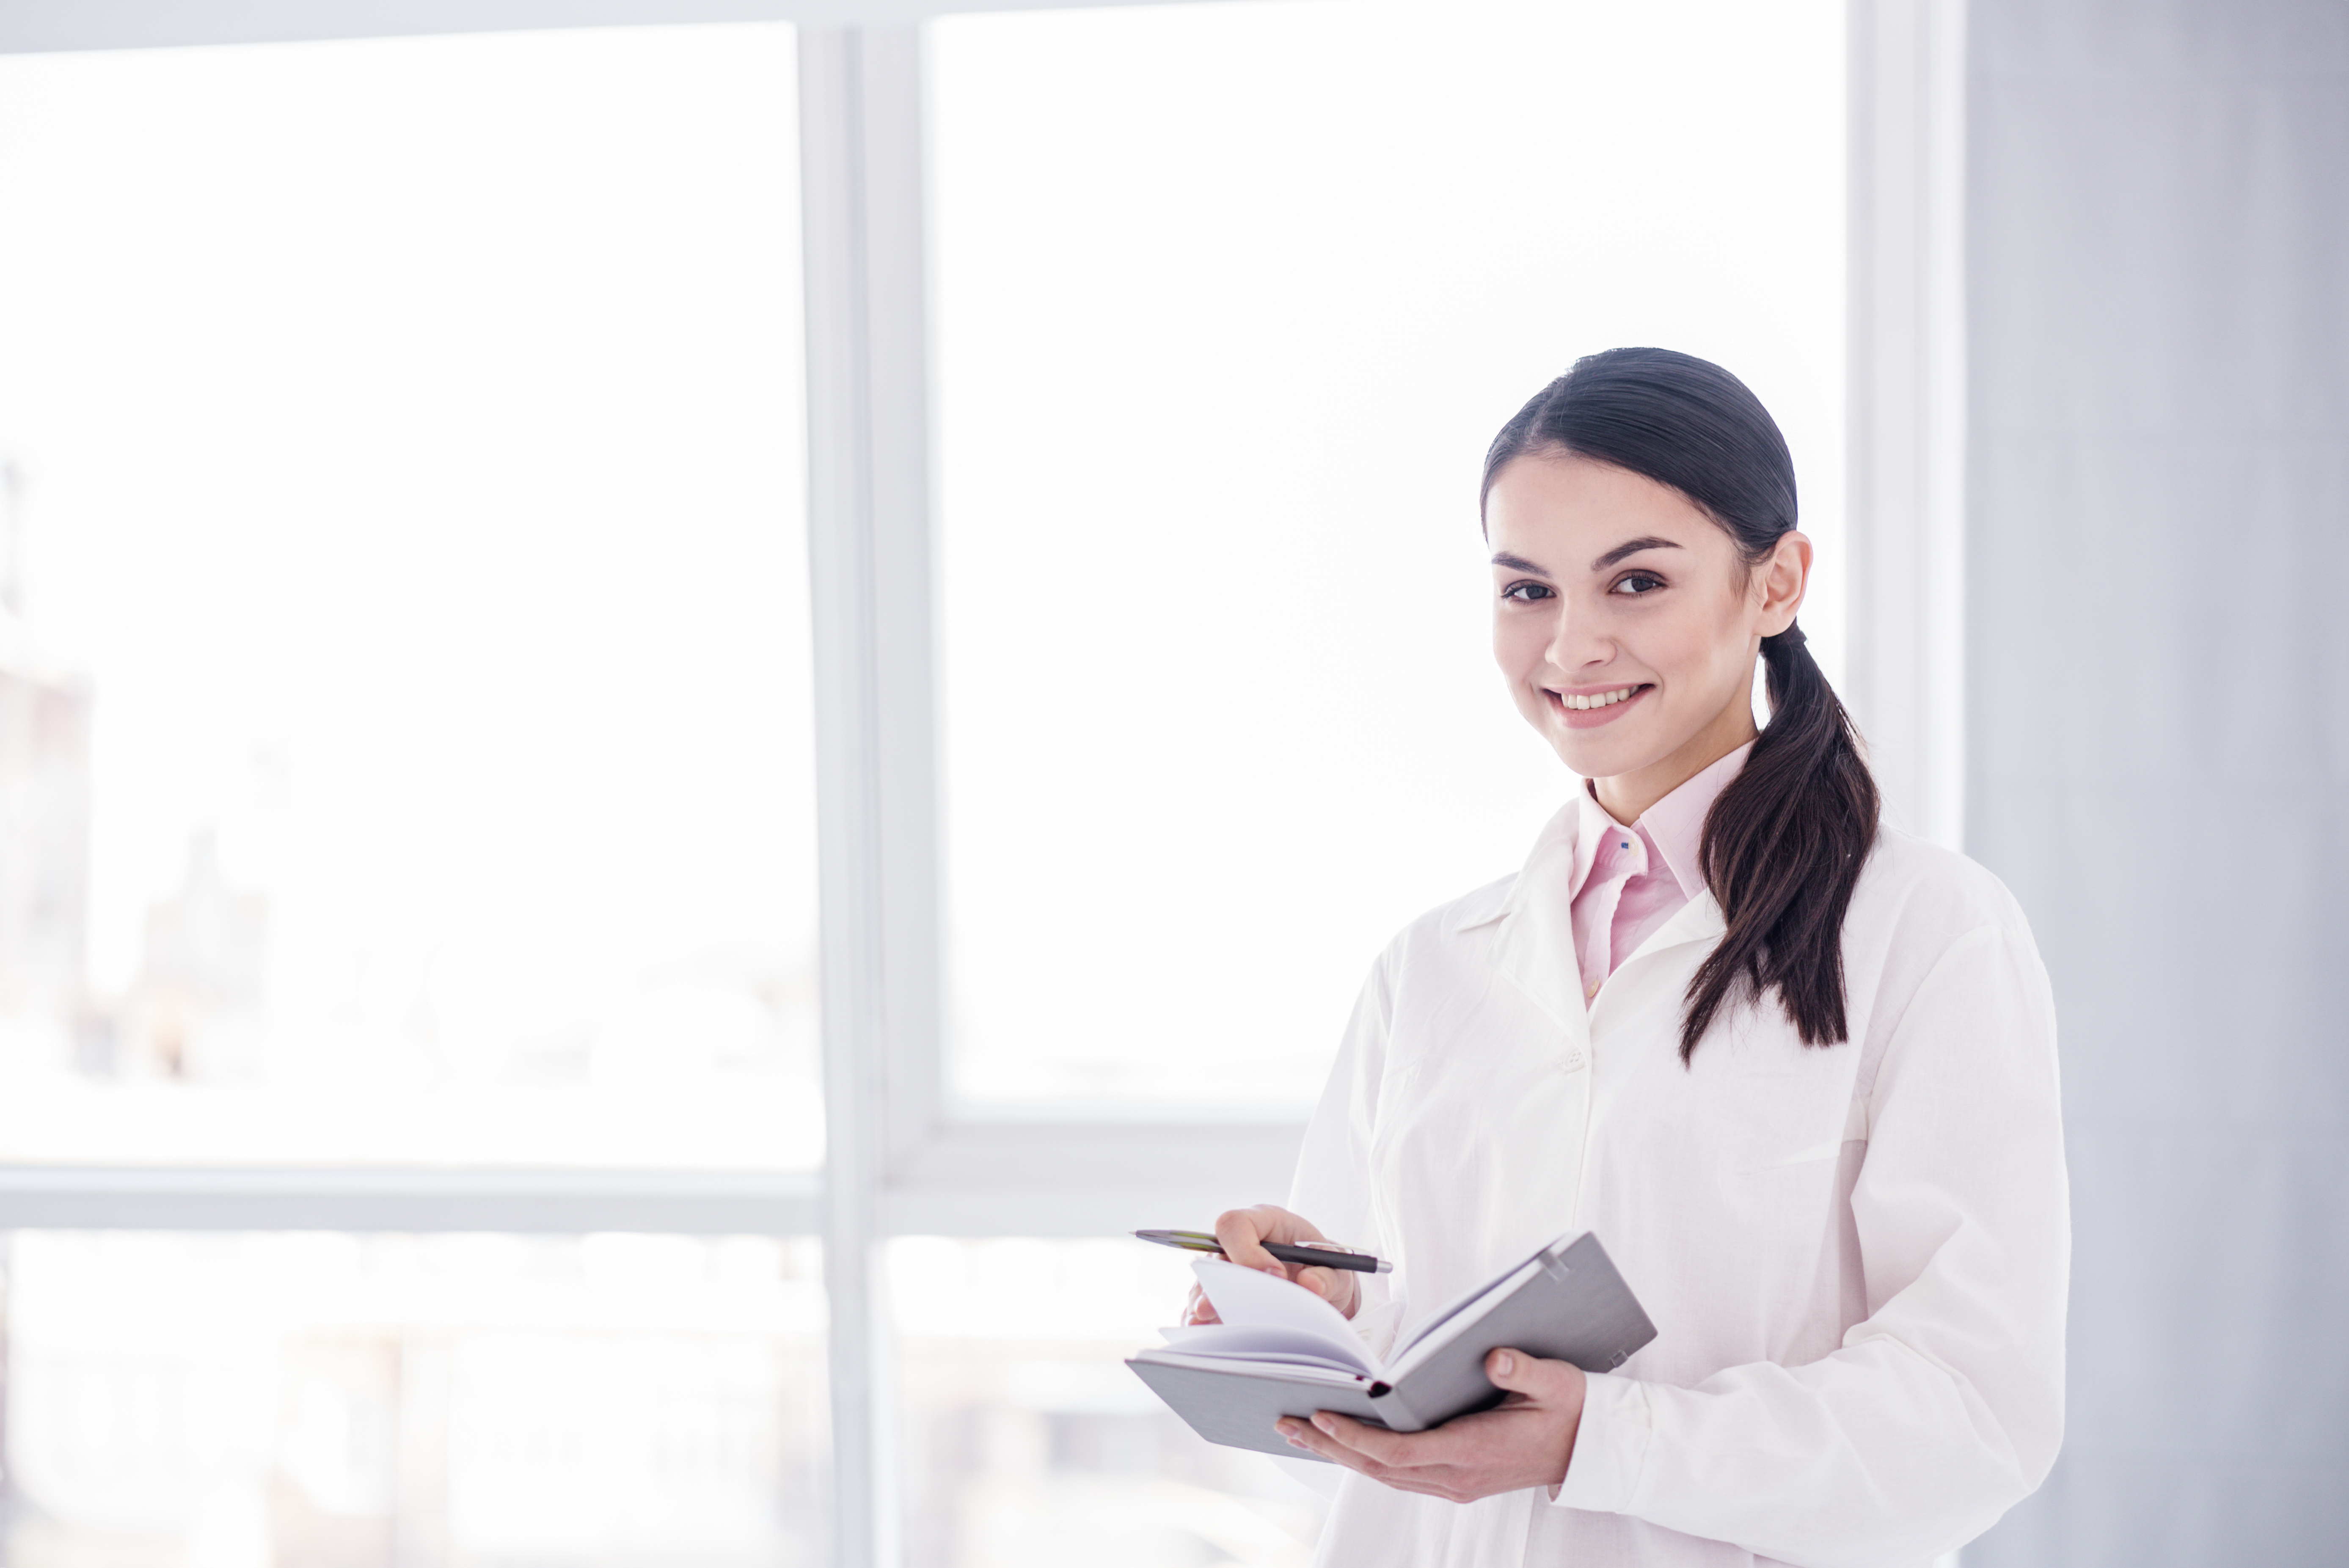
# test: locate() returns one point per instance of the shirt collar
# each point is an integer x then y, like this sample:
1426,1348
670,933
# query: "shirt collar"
1592,823
1674,825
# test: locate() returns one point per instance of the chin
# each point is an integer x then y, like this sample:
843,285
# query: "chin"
1581,757
1595,757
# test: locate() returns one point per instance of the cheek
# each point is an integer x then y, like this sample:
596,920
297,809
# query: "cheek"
1692,650
1517,645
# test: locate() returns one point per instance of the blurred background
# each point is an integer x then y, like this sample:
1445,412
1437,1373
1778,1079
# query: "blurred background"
682,704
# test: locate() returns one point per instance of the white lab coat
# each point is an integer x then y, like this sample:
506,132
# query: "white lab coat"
1856,1256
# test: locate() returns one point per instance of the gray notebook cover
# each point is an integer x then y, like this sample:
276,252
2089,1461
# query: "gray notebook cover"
1577,1309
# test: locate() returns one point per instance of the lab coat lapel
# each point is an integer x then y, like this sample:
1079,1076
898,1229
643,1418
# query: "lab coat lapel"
1639,1012
1536,947
1698,920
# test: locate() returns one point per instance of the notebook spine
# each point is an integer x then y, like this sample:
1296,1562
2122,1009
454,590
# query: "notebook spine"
1394,1410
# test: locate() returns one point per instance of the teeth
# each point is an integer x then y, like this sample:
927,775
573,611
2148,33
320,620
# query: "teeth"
1600,699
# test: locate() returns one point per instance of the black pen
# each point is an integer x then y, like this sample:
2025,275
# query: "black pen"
1320,1255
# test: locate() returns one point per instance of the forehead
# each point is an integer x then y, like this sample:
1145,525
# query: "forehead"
1563,511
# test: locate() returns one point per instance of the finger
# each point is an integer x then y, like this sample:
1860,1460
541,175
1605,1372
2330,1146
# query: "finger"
1242,1232
1401,1451
1322,1281
1301,1434
1450,1488
1552,1382
1428,1484
1339,1288
1198,1309
1336,1286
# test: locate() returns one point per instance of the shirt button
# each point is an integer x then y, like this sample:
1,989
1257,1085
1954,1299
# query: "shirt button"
1572,1060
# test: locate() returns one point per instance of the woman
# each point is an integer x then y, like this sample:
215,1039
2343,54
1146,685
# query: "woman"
1796,1069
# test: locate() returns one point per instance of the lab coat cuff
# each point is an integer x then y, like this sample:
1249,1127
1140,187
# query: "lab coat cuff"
1609,1447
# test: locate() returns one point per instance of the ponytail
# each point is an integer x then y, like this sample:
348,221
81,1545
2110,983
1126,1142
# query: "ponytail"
1786,840
1782,849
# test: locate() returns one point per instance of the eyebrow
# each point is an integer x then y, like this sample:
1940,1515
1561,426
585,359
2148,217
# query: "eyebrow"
1631,547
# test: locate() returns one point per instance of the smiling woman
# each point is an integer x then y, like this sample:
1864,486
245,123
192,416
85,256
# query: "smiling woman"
1645,649
1680,457
1846,1212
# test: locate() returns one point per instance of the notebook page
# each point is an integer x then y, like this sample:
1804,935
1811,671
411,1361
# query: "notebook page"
1240,1342
1296,1371
1244,1298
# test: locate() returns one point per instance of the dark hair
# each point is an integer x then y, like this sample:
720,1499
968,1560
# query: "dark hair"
1784,843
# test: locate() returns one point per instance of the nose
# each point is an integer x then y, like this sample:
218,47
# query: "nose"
1576,642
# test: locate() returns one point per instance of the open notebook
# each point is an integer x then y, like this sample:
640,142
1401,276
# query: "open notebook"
1281,1350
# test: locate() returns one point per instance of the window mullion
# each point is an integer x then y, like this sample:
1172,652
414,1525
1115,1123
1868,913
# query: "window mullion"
868,530
540,1201
1907,404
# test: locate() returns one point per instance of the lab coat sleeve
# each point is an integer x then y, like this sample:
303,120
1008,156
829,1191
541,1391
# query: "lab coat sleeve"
1333,1186
1943,1407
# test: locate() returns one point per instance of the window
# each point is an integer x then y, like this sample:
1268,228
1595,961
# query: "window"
318,1398
1027,1442
1230,300
447,656
406,705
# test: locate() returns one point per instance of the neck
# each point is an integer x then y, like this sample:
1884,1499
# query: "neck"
1627,796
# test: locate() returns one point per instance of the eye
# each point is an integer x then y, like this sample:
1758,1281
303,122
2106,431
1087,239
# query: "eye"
1637,582
1528,593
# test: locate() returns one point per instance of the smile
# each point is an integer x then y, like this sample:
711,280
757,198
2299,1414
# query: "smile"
1586,710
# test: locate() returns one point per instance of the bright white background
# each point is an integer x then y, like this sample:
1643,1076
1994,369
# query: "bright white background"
1230,301
263,1401
412,435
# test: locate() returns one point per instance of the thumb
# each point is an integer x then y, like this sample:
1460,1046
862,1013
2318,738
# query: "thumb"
1518,1373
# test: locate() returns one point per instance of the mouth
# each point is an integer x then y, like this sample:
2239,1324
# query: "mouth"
1588,710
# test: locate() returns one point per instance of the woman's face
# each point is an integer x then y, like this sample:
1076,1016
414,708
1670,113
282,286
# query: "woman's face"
1627,623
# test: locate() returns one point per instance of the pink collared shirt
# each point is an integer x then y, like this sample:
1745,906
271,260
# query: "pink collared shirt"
1629,881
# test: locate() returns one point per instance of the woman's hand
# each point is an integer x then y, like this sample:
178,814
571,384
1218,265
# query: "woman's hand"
1242,1233
1526,1440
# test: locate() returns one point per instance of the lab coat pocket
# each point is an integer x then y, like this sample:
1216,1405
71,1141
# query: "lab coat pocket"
1779,1103
1769,1151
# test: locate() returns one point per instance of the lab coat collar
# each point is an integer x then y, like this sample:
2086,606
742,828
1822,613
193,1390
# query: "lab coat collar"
1675,824
1498,900
1535,912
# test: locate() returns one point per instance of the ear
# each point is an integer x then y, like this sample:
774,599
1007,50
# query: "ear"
1782,578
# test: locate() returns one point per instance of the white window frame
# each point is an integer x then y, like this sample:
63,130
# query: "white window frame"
902,1158
1905,400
